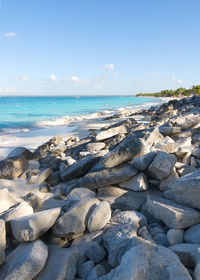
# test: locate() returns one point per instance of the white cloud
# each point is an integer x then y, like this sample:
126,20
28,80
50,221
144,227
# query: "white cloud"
53,78
110,67
116,74
10,34
180,82
173,78
24,78
10,89
78,80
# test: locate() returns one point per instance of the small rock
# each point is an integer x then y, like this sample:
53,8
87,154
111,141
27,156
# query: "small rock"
2,241
161,239
137,183
96,272
192,235
128,217
175,236
95,252
142,162
84,269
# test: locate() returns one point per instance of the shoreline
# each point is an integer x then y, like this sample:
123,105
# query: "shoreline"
66,127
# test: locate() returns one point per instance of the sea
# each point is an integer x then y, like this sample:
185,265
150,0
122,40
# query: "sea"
21,113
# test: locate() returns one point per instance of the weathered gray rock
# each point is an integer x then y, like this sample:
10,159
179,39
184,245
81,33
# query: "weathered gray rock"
169,131
12,168
95,252
94,147
25,262
128,217
172,214
6,200
20,152
99,217
132,146
96,272
161,239
61,264
84,269
2,241
43,175
31,227
74,220
17,211
185,190
147,261
161,166
80,167
142,162
164,184
185,170
175,236
185,121
108,133
192,235
106,177
117,239
137,183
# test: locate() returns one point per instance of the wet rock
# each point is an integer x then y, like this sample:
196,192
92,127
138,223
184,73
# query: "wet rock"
137,183
25,262
61,264
2,240
99,217
185,190
142,162
161,166
12,168
172,214
29,228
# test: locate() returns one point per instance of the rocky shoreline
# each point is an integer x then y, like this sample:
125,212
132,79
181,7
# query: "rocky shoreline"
121,204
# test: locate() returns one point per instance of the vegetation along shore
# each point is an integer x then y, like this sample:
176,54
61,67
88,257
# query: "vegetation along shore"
121,203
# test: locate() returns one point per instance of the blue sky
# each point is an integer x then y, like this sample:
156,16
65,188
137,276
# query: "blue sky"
96,47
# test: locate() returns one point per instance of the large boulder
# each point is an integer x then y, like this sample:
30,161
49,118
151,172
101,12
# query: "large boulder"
29,228
2,241
185,190
12,168
133,145
172,214
25,262
20,152
61,264
161,166
74,220
185,121
147,261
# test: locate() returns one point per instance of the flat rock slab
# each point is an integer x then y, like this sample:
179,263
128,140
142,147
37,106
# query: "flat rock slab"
147,261
172,214
2,241
61,264
31,227
161,166
25,262
185,190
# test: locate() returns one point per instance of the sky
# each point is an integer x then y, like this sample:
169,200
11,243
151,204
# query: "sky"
98,47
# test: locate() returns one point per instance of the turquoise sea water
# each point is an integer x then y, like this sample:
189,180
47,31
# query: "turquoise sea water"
28,112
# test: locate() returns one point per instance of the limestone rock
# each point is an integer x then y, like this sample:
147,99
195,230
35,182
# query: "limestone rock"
175,236
137,183
192,235
185,190
2,241
29,228
161,166
20,152
172,214
147,261
6,200
74,220
12,168
25,262
61,264
99,217
142,162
